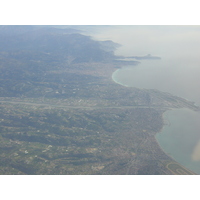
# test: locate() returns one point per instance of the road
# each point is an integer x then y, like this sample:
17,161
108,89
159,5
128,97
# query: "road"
83,107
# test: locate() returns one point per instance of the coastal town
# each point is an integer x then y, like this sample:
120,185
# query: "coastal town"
64,114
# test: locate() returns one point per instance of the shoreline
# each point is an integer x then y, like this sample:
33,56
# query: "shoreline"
171,159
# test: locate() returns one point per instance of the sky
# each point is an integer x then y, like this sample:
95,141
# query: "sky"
156,40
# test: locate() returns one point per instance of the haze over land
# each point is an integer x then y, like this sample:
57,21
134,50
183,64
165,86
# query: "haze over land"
61,112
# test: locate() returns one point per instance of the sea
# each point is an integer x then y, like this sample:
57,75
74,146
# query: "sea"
177,72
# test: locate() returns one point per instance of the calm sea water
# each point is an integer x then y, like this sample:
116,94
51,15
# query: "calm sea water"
178,72
180,138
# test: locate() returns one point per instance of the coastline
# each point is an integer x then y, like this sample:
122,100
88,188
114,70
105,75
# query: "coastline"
171,160
114,80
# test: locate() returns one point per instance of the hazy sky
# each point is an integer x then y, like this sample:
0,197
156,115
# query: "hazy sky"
157,40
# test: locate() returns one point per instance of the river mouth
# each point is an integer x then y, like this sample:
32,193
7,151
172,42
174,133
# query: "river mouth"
180,137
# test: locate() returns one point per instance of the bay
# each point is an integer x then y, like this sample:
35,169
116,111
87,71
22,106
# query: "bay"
178,72
180,137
